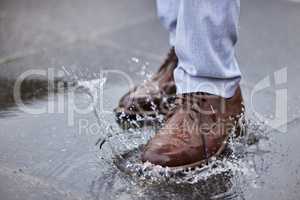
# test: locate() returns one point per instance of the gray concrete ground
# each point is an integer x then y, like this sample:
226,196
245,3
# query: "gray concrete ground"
41,157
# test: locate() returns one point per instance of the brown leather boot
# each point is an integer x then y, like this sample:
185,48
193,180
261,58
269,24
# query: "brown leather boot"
143,103
197,129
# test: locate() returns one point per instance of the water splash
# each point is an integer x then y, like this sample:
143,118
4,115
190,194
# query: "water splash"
122,149
128,159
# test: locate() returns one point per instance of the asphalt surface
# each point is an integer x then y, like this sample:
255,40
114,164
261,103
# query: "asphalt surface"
44,157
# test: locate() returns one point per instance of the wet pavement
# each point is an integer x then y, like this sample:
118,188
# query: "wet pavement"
53,155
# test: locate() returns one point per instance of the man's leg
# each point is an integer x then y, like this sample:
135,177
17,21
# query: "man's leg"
152,96
167,11
206,35
203,117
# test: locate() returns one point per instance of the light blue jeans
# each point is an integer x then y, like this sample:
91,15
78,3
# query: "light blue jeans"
204,34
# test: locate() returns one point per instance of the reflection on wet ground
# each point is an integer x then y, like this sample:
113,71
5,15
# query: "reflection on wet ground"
27,91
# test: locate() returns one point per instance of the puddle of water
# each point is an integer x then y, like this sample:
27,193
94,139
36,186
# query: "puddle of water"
30,90
117,172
